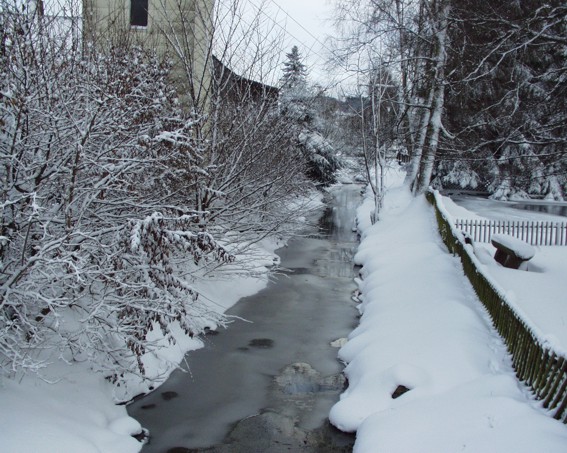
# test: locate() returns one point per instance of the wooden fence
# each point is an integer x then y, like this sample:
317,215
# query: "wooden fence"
534,233
536,364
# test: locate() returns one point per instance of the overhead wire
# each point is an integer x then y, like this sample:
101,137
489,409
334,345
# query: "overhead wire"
284,29
320,59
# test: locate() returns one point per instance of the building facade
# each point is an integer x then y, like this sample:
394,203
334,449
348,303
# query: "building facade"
179,29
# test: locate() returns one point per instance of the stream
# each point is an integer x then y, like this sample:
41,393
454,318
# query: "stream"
268,381
542,210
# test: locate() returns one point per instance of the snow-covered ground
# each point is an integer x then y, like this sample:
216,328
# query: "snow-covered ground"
71,409
73,414
539,294
423,328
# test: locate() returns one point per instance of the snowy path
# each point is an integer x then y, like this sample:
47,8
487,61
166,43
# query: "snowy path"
422,327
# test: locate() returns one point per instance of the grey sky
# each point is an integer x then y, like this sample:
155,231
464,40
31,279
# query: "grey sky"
306,23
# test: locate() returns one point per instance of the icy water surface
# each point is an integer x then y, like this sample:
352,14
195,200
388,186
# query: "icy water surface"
267,384
513,210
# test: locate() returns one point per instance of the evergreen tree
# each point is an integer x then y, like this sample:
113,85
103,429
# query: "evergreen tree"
294,79
506,102
296,105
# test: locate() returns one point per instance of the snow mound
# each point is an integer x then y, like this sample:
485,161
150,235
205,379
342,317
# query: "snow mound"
424,331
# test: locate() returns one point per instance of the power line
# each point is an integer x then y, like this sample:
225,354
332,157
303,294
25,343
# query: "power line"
310,48
331,82
301,26
319,59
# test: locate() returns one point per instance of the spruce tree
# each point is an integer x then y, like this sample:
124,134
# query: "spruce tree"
294,79
296,105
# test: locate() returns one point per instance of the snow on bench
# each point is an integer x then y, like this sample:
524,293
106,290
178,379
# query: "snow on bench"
511,252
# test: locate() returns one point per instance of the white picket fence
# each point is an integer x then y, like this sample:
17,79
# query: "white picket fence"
532,232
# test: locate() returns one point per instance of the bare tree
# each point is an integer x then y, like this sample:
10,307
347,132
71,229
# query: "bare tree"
410,39
498,70
115,187
98,243
439,12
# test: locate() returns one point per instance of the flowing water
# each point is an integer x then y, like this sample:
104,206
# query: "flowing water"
267,382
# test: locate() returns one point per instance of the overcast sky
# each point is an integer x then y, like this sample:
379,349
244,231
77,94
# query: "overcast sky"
306,23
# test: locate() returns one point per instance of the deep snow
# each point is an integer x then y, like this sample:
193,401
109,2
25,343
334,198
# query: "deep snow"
422,327
539,293
71,409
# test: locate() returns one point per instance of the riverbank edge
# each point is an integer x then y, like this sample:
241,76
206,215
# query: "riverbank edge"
72,408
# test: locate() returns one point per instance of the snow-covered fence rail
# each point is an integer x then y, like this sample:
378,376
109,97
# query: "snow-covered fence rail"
534,233
537,363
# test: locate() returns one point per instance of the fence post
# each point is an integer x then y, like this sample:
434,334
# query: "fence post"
538,233
540,368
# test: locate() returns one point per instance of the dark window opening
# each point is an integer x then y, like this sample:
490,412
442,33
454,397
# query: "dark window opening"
139,13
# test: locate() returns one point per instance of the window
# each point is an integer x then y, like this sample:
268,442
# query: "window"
139,13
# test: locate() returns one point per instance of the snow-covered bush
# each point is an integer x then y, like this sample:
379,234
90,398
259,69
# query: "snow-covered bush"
457,173
253,170
320,154
520,173
99,232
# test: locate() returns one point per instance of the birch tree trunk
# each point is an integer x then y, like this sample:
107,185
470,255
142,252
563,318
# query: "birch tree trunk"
418,148
431,144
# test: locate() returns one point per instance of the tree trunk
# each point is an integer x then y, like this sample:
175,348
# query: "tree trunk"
427,161
411,175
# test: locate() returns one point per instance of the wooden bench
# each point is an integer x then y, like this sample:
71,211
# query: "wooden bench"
512,252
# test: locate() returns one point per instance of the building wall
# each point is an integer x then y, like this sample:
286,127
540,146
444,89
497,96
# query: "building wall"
182,29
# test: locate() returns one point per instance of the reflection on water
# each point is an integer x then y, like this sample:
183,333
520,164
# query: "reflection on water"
513,210
292,321
326,221
553,209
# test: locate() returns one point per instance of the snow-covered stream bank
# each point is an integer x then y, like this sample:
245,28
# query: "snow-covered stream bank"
283,332
421,328
427,371
70,408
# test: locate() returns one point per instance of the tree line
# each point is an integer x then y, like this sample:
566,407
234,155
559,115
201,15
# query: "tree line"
474,92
